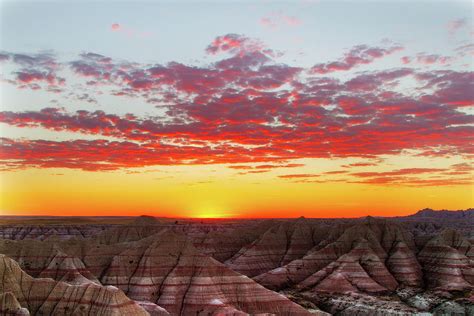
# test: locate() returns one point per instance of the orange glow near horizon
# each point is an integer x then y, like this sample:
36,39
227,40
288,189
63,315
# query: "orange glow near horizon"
220,192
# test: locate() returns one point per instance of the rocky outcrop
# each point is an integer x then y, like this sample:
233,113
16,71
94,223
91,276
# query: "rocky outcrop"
153,309
429,223
278,246
223,245
169,271
126,234
360,270
447,262
9,305
70,269
42,232
49,297
445,214
381,237
145,220
404,266
359,304
464,308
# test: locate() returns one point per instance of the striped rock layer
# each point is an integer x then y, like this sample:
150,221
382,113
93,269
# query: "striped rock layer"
396,250
448,262
41,232
187,269
49,297
277,246
163,269
9,305
360,270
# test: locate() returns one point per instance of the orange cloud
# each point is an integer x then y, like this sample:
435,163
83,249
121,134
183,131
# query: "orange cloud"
298,175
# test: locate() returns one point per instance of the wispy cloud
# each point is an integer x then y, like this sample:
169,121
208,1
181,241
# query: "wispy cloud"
454,26
129,32
276,20
428,59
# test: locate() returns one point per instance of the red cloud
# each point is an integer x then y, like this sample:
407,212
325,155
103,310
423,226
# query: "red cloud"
241,167
248,108
228,43
336,172
237,44
103,155
252,70
452,88
460,169
115,27
408,177
35,69
392,126
358,55
31,76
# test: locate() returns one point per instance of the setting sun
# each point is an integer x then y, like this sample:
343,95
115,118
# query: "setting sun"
210,212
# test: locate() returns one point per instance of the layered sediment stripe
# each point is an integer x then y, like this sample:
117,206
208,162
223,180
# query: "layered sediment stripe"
47,297
278,246
403,265
16,232
445,263
358,271
379,235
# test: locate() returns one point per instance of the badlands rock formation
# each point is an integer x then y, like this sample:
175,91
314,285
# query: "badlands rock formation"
49,297
39,232
277,246
359,270
445,214
383,239
224,244
448,262
9,305
163,270
368,266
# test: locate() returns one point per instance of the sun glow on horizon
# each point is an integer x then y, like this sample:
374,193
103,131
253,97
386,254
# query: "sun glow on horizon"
210,213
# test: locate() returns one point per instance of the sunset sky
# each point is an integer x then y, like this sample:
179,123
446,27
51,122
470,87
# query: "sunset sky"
249,109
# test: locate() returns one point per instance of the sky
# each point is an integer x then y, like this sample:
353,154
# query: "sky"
239,109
